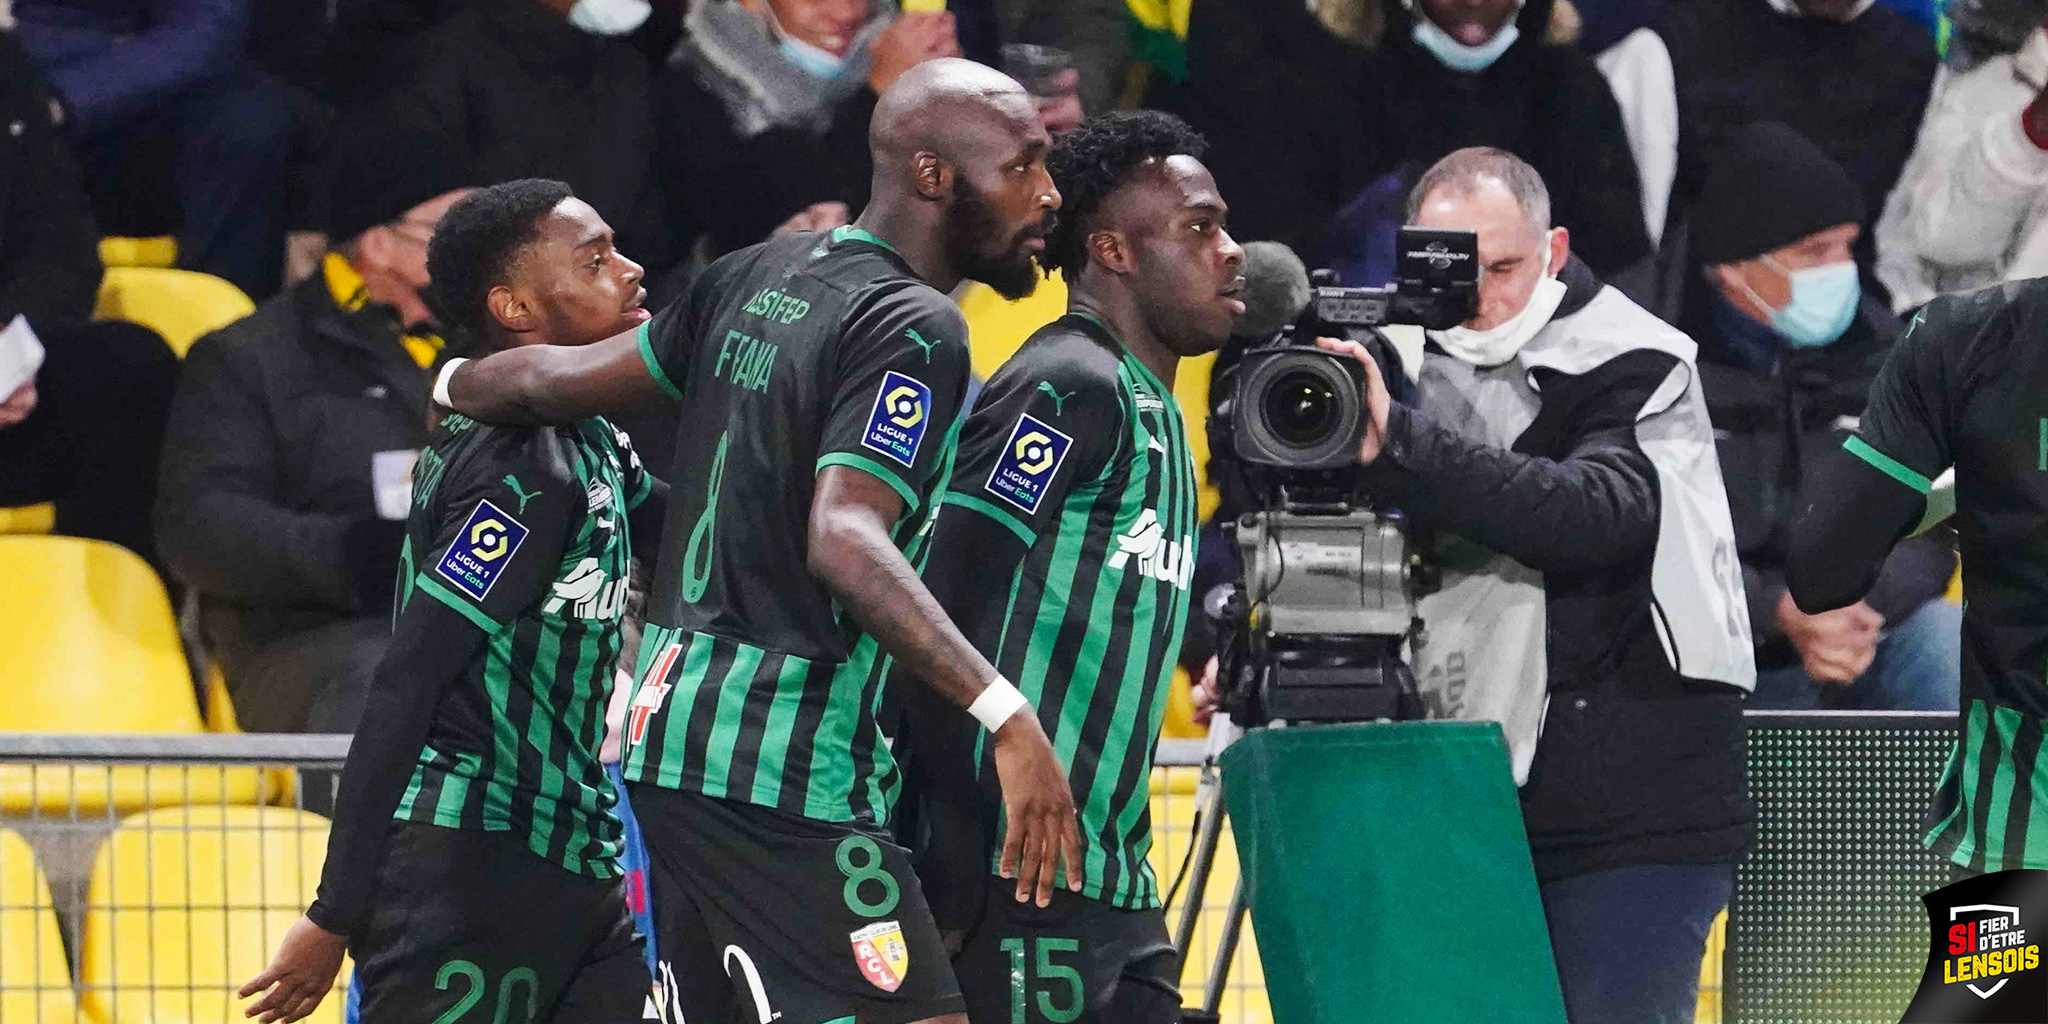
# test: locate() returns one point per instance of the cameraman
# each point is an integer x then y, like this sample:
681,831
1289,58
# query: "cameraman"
1559,451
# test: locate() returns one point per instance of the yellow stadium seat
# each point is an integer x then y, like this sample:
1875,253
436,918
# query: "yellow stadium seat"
160,251
220,709
40,518
180,305
187,903
996,328
88,645
35,980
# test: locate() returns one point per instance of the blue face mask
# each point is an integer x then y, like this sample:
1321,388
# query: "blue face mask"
1824,301
1456,55
817,62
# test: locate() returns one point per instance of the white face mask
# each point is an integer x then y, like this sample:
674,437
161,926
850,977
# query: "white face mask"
1499,343
609,17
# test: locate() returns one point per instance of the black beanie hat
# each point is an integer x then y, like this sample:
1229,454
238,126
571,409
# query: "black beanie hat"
379,171
1769,186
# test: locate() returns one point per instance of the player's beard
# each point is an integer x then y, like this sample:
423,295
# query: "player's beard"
970,232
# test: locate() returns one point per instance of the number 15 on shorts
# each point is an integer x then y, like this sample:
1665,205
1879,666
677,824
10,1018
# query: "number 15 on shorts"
1053,989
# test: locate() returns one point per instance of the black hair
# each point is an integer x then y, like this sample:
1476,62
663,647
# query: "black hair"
1091,162
477,240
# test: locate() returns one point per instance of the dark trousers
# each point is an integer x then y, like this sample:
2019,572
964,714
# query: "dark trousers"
90,446
1629,940
208,164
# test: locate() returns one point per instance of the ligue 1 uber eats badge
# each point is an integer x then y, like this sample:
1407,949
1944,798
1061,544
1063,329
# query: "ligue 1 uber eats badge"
1984,960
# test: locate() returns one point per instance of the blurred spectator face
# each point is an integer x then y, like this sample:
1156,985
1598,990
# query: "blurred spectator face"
392,257
829,25
1514,254
1766,286
1472,22
1183,265
1049,75
1059,106
1003,202
569,286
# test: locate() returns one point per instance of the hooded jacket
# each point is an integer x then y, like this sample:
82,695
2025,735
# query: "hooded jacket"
1590,601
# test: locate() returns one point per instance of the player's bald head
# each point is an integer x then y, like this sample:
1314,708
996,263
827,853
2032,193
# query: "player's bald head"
954,109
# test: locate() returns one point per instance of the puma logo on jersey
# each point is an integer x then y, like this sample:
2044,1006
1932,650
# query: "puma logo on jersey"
587,595
911,333
521,493
1168,561
1152,444
1059,401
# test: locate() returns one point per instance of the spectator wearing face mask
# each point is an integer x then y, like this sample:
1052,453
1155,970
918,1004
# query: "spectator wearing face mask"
1457,73
507,89
1850,75
776,94
1789,344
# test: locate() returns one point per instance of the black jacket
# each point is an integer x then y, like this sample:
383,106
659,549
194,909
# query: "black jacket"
1636,762
1857,89
49,258
510,89
1547,104
1299,122
266,466
1773,424
736,190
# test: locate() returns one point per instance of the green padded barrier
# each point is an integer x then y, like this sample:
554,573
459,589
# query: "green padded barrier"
1388,875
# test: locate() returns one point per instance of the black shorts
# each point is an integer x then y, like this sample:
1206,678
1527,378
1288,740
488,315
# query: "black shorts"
472,927
1078,961
761,915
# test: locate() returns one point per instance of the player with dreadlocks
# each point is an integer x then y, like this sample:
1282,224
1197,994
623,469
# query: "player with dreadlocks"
1065,556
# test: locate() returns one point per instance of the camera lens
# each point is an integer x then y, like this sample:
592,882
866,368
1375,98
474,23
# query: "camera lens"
1301,407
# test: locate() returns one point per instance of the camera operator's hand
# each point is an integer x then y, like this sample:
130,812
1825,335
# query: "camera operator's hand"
1205,694
1377,400
1041,829
1836,646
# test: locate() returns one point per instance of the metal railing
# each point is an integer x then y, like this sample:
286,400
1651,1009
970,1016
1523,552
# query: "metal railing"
144,878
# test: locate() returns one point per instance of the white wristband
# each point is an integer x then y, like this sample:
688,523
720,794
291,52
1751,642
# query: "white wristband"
996,704
441,383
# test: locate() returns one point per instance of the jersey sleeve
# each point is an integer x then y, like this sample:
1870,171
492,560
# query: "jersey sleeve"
502,526
902,375
1905,428
668,341
1033,439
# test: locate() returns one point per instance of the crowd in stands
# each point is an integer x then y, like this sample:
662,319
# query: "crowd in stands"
1786,180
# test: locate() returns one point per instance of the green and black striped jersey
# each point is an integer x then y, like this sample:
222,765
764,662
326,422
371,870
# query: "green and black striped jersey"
1079,453
798,354
1967,387
523,531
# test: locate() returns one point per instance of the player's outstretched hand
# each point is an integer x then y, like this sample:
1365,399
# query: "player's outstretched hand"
299,977
1042,832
